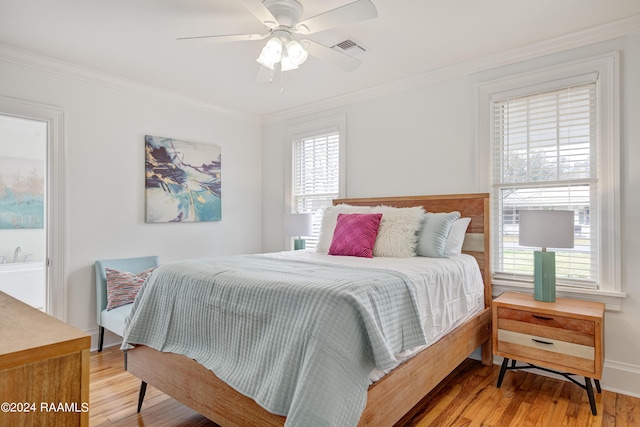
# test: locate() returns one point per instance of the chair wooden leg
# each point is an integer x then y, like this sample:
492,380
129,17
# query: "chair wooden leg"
100,338
143,390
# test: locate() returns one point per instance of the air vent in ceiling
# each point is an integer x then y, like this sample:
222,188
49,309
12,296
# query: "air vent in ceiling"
350,47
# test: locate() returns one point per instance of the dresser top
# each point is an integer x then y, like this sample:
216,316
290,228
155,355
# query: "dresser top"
24,328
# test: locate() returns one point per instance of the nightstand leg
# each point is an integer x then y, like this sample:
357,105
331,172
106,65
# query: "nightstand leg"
503,369
598,386
592,400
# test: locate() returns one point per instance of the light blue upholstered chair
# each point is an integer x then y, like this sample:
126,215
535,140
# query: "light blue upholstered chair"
114,320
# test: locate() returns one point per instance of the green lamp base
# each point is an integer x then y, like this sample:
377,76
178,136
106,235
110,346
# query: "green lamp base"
544,282
299,244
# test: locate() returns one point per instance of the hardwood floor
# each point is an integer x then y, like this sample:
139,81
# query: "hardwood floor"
468,397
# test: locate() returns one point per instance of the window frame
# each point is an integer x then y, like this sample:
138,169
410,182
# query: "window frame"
603,69
310,128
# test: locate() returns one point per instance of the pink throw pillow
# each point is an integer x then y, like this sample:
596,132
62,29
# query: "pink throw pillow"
355,235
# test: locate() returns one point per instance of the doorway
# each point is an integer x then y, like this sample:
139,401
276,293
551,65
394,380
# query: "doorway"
32,226
23,152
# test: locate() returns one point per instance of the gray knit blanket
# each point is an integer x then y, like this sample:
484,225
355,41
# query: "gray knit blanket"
298,337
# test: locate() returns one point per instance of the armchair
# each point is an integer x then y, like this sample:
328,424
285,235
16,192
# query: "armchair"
114,320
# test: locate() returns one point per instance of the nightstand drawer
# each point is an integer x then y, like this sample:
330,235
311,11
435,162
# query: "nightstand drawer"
577,331
539,348
560,322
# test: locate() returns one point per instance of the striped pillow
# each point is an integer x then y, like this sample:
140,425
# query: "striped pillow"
123,286
355,235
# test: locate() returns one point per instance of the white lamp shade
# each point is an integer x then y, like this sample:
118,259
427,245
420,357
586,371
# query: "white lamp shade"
271,53
286,64
295,51
546,229
298,224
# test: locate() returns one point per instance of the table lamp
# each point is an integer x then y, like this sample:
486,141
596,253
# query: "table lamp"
545,229
298,225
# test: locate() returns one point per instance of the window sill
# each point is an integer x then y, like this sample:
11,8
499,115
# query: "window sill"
611,299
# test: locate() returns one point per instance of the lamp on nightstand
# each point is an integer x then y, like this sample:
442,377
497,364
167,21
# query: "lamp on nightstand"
545,229
298,225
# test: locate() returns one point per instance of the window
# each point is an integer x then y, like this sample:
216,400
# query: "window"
316,171
545,157
549,140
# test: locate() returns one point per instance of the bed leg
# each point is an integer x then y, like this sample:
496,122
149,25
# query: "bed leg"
143,390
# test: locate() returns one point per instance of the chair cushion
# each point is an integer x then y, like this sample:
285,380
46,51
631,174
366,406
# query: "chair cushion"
115,320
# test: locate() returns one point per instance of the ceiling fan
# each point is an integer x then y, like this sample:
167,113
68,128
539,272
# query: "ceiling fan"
282,20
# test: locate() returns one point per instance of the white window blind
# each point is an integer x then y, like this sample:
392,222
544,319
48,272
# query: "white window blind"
544,157
316,176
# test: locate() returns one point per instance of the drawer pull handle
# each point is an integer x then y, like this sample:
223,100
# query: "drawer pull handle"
541,342
542,317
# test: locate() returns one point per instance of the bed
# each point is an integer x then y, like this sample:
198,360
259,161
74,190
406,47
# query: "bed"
387,399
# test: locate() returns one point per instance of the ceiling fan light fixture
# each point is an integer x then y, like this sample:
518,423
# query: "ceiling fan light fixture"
286,64
295,52
271,53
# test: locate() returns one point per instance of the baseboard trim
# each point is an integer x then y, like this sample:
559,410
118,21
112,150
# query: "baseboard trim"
110,339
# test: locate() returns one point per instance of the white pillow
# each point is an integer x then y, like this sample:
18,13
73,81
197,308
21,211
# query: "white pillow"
456,237
397,235
329,220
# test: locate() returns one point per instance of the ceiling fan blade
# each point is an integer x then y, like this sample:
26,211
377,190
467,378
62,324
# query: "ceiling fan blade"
339,59
350,13
225,38
257,9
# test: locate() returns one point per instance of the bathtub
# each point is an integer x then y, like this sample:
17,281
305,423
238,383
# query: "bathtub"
24,281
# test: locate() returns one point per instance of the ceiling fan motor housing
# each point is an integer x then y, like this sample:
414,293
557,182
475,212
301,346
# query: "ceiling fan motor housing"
287,12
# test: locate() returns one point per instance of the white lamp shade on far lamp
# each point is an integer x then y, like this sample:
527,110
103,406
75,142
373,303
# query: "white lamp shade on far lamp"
545,229
297,225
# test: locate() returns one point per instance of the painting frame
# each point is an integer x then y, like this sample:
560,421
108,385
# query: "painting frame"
183,181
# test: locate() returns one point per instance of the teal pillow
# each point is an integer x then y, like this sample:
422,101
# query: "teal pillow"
432,236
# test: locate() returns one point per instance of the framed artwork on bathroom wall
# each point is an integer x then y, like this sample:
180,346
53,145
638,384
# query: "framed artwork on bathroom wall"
21,193
182,181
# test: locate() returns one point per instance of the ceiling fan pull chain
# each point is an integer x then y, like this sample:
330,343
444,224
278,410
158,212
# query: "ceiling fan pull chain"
281,80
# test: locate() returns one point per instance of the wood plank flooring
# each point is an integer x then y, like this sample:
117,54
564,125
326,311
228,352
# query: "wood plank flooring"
467,397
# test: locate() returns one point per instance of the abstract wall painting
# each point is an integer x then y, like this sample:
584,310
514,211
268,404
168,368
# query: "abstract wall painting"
21,193
183,181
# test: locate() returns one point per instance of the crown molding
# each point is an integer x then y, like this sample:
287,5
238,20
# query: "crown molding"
609,31
69,70
620,28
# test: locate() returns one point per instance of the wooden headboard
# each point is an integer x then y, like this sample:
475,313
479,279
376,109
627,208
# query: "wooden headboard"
474,206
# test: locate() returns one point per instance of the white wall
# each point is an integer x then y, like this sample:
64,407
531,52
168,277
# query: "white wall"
105,124
423,141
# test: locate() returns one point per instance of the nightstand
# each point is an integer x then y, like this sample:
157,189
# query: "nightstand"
564,337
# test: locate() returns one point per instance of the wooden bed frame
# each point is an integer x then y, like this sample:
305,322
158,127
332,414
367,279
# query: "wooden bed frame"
389,399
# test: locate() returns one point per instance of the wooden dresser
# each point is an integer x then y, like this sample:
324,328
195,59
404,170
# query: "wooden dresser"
44,368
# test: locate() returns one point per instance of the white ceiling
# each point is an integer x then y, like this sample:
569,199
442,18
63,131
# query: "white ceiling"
136,40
